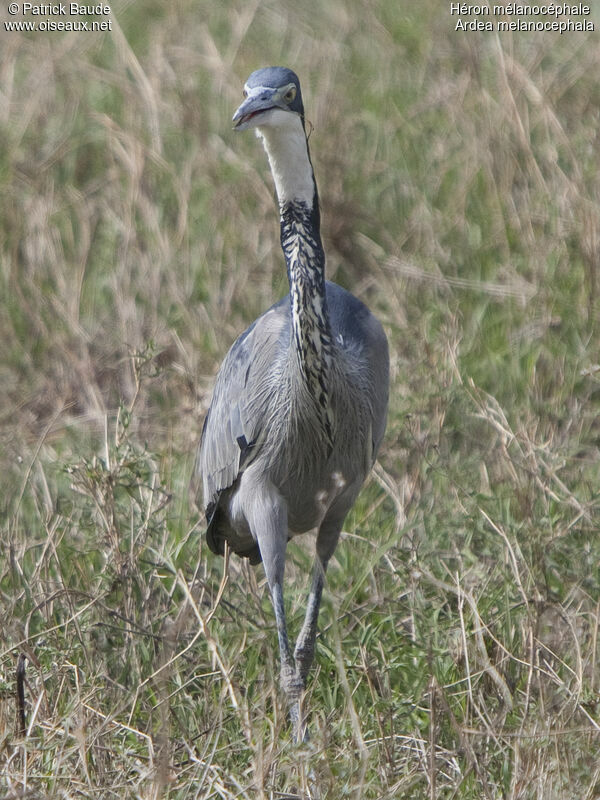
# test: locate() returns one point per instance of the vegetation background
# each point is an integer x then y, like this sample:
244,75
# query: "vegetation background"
458,653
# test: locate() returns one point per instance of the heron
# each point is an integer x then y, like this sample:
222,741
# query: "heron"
299,405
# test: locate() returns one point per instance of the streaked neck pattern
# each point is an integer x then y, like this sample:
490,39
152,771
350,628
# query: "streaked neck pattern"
289,159
305,259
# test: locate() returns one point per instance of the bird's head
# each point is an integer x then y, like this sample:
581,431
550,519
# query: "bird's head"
272,98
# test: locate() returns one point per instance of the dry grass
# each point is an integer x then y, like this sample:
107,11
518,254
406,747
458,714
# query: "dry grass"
458,655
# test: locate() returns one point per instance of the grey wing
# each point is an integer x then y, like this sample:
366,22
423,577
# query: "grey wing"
361,333
234,422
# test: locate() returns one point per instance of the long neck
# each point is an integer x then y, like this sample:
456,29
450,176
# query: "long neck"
287,150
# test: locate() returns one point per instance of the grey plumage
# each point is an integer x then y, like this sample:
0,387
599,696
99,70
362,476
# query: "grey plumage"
300,401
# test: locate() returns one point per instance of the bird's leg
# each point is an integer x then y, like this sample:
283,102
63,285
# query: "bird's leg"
304,651
305,644
291,683
270,524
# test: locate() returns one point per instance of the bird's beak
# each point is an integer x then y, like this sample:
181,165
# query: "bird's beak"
259,99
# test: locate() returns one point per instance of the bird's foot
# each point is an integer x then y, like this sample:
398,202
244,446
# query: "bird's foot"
303,656
293,686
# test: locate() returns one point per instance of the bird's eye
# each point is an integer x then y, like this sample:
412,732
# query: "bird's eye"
244,93
290,94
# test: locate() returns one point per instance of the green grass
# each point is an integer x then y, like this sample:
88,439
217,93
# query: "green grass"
458,647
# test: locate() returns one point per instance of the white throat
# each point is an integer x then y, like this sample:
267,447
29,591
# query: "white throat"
285,142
